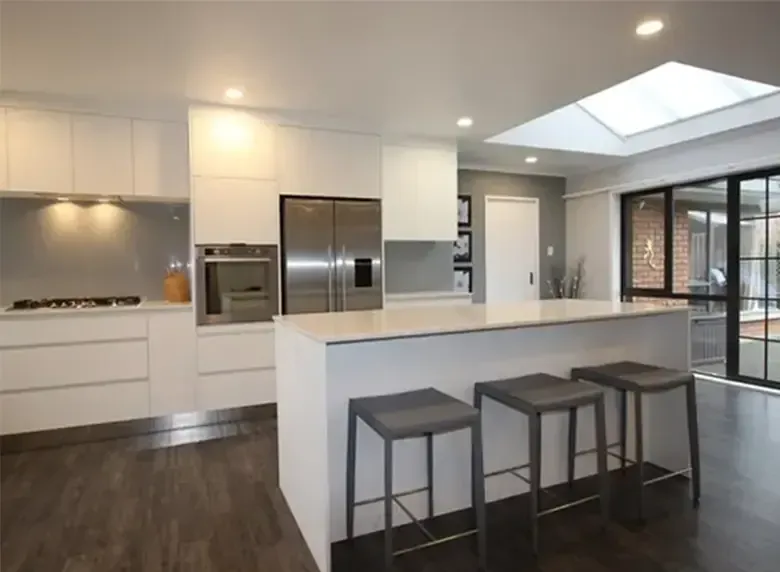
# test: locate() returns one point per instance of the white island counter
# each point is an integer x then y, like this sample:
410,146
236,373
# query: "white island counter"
323,360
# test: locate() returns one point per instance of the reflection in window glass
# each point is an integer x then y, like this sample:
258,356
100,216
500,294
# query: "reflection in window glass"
647,241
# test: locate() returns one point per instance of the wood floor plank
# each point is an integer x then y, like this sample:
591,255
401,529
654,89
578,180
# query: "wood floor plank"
206,499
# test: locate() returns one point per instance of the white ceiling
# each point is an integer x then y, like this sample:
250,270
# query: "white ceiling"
409,68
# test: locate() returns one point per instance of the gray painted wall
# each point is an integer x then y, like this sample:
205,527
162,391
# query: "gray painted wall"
51,249
552,219
418,267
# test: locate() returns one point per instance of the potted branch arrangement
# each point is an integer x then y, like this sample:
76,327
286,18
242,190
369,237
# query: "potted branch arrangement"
569,284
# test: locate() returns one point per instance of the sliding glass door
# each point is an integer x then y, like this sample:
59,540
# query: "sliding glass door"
758,341
713,246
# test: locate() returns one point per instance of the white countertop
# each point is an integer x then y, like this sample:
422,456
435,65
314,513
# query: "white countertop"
145,306
340,327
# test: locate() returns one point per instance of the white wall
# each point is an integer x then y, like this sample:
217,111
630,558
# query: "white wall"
736,151
593,233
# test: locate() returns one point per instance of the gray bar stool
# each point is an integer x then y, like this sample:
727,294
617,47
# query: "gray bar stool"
641,379
414,414
540,393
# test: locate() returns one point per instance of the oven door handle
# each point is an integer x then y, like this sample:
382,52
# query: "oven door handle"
213,259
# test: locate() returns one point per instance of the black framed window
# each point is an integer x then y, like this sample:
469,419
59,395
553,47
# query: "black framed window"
713,246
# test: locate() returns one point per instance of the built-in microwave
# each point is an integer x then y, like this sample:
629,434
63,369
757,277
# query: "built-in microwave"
236,283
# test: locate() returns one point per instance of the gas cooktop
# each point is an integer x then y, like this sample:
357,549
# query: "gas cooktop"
76,303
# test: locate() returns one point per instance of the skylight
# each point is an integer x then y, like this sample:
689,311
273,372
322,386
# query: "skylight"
667,94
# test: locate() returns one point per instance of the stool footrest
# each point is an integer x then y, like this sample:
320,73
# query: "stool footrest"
435,542
399,495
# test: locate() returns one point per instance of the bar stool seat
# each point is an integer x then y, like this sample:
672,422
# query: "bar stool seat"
413,414
640,379
634,376
540,393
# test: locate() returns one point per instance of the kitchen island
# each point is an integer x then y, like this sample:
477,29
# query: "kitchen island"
323,360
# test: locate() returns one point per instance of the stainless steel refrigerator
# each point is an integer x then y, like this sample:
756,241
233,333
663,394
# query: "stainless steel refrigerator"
331,255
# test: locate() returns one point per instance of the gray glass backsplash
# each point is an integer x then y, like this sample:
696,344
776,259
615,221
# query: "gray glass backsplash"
64,249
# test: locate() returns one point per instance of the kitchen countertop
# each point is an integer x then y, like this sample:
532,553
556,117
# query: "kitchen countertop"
145,306
339,327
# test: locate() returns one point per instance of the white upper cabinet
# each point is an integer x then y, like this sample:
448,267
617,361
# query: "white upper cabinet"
419,193
231,144
160,160
329,163
235,210
3,152
102,155
40,152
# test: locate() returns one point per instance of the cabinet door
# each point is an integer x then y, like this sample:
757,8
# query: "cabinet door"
235,210
399,193
40,154
437,194
172,362
316,162
160,160
102,155
3,152
231,144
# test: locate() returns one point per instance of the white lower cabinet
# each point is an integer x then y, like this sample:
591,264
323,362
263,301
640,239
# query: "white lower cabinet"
172,369
69,371
235,368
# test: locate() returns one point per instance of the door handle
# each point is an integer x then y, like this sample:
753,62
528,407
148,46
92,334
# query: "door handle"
343,278
330,278
531,278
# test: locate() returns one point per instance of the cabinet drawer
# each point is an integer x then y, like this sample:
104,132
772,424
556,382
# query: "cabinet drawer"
236,389
53,366
66,330
235,352
73,406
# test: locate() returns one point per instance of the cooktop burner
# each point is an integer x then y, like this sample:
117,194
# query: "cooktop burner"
76,303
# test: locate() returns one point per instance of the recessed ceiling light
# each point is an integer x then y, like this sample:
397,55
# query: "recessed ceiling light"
234,93
531,159
465,122
63,199
649,27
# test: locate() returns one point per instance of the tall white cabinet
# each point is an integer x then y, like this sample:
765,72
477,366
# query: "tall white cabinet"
419,193
235,211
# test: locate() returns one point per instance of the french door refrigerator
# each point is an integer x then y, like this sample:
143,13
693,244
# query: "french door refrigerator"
331,255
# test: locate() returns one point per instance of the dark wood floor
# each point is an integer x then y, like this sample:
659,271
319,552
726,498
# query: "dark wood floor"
205,500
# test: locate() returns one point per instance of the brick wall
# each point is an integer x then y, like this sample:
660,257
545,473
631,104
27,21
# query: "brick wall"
648,223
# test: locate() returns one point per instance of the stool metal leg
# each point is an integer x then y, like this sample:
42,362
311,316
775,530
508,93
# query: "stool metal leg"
600,417
623,415
478,492
388,504
640,452
693,437
351,451
429,462
535,454
572,444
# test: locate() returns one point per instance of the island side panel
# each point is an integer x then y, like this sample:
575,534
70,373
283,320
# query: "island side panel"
303,438
453,363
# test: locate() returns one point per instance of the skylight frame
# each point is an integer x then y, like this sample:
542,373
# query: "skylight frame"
645,95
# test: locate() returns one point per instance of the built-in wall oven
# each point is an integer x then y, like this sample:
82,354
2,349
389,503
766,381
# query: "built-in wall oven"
236,283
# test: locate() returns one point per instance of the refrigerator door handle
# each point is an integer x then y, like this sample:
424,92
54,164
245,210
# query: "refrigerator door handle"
330,278
343,277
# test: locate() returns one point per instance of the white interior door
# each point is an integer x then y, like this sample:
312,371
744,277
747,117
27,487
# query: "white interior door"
511,249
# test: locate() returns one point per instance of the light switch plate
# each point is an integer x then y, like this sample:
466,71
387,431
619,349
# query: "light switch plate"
550,251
